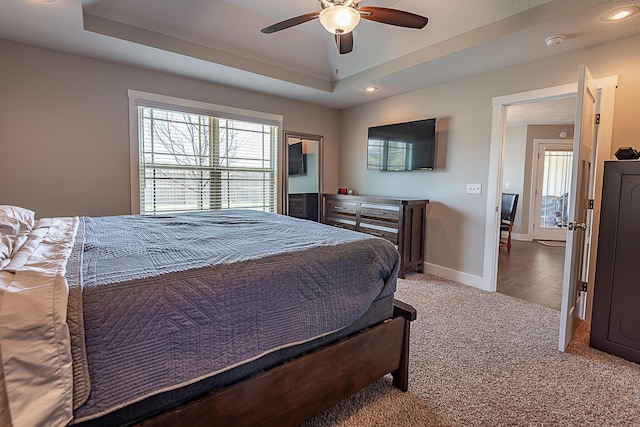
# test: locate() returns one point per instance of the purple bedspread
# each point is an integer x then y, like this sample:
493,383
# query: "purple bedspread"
168,300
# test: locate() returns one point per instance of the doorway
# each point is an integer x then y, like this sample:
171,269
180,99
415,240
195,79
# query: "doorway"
495,179
538,137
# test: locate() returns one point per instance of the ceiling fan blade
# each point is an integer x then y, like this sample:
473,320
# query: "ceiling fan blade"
393,17
344,42
291,22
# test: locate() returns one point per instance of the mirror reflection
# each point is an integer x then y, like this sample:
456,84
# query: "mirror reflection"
303,175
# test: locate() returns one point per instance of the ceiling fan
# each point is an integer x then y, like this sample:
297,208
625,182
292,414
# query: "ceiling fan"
340,17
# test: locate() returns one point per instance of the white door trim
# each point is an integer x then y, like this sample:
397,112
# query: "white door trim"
496,153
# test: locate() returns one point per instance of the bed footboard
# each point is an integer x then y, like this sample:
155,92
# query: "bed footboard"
297,390
401,375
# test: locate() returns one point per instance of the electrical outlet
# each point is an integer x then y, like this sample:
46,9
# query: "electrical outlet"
507,185
474,188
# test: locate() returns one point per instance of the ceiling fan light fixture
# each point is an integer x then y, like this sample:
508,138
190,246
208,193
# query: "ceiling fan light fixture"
339,19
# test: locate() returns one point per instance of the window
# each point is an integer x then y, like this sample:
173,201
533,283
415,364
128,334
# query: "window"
376,154
389,155
189,159
399,157
556,184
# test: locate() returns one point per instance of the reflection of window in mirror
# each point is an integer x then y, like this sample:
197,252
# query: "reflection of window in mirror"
303,176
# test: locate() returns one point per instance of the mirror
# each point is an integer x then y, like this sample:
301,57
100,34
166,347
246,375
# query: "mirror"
303,175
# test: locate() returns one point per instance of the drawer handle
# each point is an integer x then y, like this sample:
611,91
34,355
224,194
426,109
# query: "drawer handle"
379,214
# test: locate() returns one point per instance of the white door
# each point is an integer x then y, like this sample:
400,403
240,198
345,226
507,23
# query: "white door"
553,168
583,152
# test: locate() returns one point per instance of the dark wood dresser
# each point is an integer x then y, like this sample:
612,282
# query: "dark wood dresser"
304,205
403,222
615,323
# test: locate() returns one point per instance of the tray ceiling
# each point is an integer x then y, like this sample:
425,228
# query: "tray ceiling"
220,40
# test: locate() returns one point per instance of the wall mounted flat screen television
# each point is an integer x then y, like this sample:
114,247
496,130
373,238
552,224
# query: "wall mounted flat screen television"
297,160
402,146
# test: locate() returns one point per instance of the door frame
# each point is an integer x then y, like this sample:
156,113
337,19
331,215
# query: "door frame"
533,204
606,88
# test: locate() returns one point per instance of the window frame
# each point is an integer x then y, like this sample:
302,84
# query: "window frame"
146,99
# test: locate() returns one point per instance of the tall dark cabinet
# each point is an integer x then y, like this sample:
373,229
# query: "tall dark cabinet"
615,323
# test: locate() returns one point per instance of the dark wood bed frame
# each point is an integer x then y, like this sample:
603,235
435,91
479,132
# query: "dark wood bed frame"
295,391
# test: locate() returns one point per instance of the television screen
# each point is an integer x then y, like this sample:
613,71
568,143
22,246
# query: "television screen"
297,160
402,146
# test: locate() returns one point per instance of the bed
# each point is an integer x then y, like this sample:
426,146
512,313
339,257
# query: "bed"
188,318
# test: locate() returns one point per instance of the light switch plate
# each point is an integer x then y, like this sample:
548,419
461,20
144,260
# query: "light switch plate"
474,188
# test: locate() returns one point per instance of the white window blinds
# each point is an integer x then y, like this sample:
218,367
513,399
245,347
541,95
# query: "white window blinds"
189,160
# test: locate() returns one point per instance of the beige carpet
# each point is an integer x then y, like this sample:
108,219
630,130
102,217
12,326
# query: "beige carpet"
486,359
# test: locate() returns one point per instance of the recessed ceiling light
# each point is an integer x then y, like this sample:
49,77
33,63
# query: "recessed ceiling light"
620,13
371,89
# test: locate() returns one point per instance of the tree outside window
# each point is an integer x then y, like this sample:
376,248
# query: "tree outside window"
192,161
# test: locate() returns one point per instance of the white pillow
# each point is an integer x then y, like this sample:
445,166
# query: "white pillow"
15,220
15,225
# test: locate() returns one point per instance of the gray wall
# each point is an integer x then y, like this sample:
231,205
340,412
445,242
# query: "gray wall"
64,128
456,224
515,144
64,144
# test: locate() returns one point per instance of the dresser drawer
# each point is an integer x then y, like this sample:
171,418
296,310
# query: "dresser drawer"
380,212
336,221
296,206
303,205
341,209
297,202
388,233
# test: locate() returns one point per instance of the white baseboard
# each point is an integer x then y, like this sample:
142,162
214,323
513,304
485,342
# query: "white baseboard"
522,237
456,276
